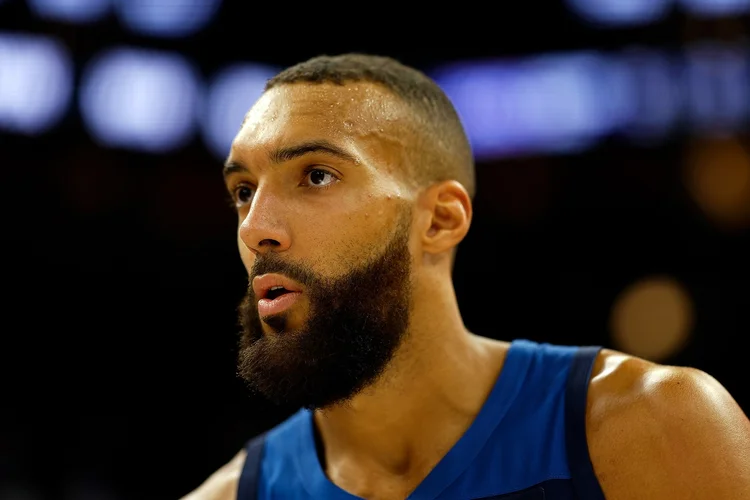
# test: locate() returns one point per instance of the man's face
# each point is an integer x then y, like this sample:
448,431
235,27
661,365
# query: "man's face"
324,233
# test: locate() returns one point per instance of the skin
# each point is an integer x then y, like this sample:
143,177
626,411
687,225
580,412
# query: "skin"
653,431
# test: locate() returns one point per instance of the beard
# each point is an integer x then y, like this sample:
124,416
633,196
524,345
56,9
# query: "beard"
355,325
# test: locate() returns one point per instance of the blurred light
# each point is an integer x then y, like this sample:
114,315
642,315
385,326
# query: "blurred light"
620,12
36,83
718,177
718,79
652,319
140,99
657,97
167,18
554,103
716,7
567,102
71,11
231,94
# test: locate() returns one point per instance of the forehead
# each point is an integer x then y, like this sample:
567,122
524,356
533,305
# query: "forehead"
360,111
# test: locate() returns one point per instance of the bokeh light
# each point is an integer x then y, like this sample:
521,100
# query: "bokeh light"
230,95
553,103
166,18
716,7
36,83
718,93
71,11
652,318
140,99
717,174
656,97
620,12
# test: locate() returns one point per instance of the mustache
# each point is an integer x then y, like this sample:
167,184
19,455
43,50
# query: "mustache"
273,263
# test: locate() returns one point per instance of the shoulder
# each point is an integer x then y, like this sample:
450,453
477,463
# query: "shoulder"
675,432
222,484
276,449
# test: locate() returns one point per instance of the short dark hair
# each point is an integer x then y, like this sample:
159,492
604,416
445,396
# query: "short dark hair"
443,152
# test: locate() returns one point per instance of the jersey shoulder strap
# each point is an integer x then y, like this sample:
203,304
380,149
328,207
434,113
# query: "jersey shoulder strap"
247,488
581,469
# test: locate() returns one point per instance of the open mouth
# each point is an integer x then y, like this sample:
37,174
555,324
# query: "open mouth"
277,300
275,292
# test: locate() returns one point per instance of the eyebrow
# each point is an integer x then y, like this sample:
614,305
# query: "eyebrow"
288,153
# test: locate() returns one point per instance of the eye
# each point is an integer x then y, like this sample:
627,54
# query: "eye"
242,194
320,178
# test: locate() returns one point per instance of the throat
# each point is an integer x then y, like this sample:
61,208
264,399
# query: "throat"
380,474
363,481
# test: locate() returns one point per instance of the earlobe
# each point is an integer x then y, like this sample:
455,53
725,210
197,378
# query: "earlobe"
450,214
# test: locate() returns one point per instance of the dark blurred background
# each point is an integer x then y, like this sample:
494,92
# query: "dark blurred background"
613,207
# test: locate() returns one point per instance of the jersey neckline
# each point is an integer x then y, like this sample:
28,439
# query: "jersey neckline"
454,463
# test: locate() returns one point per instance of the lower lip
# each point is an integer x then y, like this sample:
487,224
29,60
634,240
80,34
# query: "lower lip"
268,307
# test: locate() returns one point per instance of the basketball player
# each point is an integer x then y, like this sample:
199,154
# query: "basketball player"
353,182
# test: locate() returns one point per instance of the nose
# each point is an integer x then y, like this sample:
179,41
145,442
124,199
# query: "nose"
263,229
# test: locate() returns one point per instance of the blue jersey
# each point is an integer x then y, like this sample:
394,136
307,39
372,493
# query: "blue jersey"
528,441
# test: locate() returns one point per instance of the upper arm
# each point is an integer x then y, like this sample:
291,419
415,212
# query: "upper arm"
222,484
666,432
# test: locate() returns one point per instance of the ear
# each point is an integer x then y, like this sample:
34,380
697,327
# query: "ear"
448,214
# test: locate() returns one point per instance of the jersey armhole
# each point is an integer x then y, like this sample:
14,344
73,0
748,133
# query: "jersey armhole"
247,489
584,479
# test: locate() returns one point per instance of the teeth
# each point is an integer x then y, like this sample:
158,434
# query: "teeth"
276,288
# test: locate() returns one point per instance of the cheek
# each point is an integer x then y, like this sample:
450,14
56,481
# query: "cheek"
358,233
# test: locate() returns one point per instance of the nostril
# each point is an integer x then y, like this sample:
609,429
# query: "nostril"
269,242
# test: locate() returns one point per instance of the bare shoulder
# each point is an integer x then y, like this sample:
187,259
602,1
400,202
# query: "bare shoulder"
657,431
222,484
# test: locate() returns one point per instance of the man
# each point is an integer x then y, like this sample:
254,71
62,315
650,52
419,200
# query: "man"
353,182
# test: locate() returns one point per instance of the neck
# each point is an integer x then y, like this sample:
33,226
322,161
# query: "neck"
426,399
